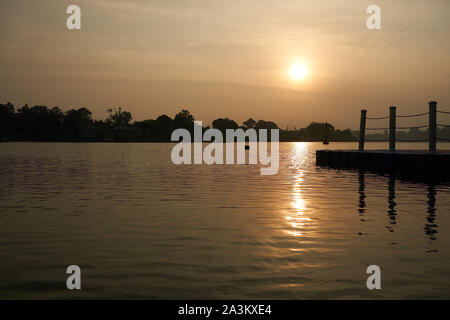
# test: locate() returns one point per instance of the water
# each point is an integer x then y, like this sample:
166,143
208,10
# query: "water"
141,227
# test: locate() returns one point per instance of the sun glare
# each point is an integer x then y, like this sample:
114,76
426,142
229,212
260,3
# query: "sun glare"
298,71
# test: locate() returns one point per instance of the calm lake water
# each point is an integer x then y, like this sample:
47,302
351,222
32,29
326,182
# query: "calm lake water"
142,227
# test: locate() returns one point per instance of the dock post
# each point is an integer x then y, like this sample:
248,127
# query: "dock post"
362,129
392,128
432,127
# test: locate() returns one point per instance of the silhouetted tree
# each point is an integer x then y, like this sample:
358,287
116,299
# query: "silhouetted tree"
43,123
342,135
148,129
183,119
261,124
250,123
163,127
316,131
6,118
223,124
39,120
117,117
75,120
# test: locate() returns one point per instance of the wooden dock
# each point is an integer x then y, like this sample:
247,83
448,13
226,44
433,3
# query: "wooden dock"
414,164
426,165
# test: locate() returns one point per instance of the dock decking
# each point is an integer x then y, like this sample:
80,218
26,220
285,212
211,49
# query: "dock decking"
408,163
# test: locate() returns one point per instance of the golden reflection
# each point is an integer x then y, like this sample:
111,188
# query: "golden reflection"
299,155
295,233
295,216
298,203
300,146
298,224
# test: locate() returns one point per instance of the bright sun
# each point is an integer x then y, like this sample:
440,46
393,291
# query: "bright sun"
298,71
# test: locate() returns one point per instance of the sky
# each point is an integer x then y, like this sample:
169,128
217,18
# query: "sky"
227,58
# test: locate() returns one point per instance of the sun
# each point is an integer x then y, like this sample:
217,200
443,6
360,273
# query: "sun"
298,71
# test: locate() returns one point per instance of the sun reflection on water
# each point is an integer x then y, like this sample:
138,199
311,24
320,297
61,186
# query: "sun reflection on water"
295,215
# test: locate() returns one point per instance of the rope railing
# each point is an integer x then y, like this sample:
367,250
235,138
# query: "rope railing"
413,115
380,118
403,116
432,127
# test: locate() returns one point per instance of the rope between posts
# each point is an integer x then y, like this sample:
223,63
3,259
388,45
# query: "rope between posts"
412,115
380,118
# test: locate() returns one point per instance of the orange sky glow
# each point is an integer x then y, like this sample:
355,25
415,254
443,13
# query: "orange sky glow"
228,58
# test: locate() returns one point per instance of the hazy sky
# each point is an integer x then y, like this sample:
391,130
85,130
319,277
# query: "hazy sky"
227,58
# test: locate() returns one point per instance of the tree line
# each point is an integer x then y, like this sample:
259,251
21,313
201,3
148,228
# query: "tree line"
41,123
413,135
